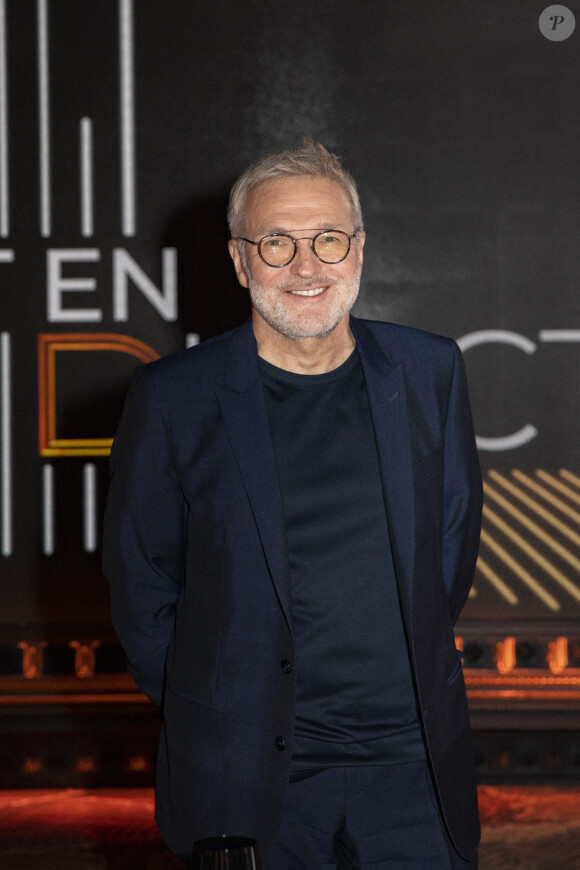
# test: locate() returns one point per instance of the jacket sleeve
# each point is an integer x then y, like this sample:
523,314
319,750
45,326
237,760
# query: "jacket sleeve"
144,537
462,492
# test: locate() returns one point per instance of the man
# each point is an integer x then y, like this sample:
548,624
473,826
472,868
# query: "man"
291,534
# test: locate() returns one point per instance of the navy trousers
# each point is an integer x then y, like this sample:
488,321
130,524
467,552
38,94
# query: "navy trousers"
383,817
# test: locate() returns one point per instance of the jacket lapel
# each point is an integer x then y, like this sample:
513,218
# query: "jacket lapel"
386,391
243,409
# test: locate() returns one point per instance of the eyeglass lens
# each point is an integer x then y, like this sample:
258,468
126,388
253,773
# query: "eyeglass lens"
330,247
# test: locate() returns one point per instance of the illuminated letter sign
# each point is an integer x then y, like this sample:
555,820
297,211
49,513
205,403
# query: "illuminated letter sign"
49,344
502,336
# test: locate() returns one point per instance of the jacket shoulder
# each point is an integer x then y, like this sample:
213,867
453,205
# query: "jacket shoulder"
183,378
201,357
410,345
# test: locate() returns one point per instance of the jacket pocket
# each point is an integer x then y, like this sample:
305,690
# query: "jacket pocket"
457,669
430,466
189,714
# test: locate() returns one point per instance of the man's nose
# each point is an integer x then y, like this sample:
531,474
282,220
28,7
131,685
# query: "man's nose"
305,262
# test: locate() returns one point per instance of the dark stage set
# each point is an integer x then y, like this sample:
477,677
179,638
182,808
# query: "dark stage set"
122,126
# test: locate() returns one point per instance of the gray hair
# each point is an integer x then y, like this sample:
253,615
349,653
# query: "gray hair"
311,160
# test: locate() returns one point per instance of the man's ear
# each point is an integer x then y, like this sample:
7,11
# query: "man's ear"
238,265
361,243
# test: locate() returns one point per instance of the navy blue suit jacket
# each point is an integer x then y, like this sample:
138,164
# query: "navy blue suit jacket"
196,558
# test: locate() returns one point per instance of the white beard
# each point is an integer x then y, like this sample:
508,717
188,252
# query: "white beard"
270,303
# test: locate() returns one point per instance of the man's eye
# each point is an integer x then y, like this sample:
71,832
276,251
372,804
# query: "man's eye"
276,242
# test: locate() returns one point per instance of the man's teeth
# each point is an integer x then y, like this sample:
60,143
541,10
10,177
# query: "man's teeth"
315,292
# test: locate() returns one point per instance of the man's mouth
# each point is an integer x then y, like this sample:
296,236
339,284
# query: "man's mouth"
316,291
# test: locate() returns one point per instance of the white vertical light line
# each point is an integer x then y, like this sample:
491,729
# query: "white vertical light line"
48,510
90,507
4,191
44,119
6,442
127,103
191,339
86,171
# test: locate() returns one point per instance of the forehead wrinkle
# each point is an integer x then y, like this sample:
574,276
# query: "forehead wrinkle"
284,231
280,205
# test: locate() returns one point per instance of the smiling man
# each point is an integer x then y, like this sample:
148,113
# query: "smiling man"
312,297
290,536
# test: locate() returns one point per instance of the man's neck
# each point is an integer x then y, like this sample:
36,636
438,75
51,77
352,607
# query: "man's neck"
307,356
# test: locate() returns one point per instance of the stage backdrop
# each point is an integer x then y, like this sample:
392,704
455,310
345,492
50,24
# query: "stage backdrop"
123,125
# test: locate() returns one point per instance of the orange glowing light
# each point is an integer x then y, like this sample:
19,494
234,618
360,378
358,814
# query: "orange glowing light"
48,345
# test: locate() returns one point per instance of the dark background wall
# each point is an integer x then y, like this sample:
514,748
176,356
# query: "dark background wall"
461,123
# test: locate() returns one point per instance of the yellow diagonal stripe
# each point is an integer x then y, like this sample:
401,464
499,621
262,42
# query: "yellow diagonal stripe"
496,581
519,571
546,515
572,478
557,484
537,557
534,528
547,495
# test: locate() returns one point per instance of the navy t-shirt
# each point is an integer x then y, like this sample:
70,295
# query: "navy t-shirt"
355,698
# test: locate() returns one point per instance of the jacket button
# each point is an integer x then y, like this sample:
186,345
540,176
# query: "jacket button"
280,744
286,666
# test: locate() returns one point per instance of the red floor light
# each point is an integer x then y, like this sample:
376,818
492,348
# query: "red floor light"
536,827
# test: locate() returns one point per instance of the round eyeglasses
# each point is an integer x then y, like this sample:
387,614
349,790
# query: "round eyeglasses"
279,249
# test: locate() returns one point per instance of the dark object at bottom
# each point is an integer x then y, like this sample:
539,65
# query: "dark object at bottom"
225,853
